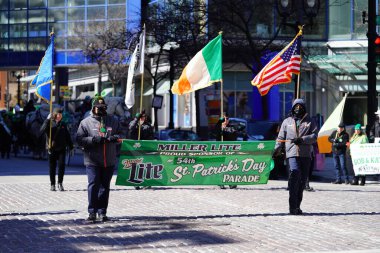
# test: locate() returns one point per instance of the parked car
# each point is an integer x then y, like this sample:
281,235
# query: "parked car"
255,130
178,135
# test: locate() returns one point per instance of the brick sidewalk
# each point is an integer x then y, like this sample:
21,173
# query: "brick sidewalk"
339,218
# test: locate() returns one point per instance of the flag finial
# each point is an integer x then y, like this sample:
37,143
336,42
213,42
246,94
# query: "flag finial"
220,32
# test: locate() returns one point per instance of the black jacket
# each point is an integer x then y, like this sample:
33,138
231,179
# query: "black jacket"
339,142
375,131
229,132
60,136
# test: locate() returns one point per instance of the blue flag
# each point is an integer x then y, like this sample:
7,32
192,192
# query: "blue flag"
44,77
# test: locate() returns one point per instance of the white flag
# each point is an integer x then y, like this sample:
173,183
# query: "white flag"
137,57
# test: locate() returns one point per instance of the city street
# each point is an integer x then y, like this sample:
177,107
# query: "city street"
337,218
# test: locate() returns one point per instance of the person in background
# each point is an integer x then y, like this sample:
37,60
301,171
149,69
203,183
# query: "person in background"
359,137
224,131
146,131
5,136
375,128
60,141
339,139
98,134
297,134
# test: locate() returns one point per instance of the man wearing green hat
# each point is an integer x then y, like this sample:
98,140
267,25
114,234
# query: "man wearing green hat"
98,134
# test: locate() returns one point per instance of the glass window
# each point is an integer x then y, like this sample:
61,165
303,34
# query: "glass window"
37,4
17,17
37,30
96,13
37,16
37,44
75,13
59,29
116,12
4,17
18,30
75,2
75,28
75,43
116,1
15,4
4,31
360,29
59,42
17,45
339,19
56,15
56,3
3,45
95,26
95,2
3,4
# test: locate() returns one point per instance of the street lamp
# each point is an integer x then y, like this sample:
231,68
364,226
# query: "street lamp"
18,76
302,8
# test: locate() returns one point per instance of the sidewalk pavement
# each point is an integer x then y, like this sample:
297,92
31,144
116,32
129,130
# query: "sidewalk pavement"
338,218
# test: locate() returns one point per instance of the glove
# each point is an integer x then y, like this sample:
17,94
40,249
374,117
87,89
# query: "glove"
278,153
114,138
49,116
98,139
297,140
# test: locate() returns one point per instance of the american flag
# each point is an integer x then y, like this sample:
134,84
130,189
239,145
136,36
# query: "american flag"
280,68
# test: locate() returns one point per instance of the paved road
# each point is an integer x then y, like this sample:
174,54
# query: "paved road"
339,218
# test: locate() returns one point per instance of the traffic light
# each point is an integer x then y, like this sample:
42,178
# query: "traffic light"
377,48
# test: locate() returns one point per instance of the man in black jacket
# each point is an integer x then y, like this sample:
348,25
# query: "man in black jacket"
60,140
98,134
375,128
339,139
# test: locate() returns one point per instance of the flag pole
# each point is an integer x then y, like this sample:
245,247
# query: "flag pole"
298,84
142,80
51,91
221,93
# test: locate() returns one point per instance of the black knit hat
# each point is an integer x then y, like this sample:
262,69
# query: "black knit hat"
341,125
98,101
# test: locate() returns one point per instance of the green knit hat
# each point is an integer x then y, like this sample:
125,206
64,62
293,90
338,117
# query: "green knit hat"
358,127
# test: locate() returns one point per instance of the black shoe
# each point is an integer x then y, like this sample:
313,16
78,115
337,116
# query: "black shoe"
299,211
337,182
137,187
92,217
296,211
309,189
346,181
222,187
103,217
362,183
354,182
52,188
233,186
60,187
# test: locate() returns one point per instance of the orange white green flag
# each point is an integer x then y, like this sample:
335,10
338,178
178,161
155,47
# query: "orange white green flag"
204,69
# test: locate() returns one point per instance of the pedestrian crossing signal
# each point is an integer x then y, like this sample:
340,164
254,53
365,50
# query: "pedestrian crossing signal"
377,49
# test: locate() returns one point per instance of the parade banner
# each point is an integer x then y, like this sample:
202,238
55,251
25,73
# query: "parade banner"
365,158
169,163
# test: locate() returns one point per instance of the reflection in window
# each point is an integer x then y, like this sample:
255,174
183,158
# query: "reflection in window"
75,14
116,12
59,29
3,17
56,3
18,31
116,1
75,28
3,4
75,2
339,19
37,30
95,27
17,45
56,15
75,42
59,43
37,44
37,4
3,45
18,4
94,2
17,17
3,31
37,16
360,29
96,13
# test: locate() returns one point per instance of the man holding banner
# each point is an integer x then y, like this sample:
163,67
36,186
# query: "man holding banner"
298,133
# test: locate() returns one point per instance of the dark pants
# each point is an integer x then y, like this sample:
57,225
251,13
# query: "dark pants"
99,179
340,166
298,173
54,157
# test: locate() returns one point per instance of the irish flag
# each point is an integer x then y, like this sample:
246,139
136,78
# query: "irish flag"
203,70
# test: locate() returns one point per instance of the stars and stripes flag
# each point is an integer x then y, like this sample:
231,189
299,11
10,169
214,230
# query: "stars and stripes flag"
279,70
